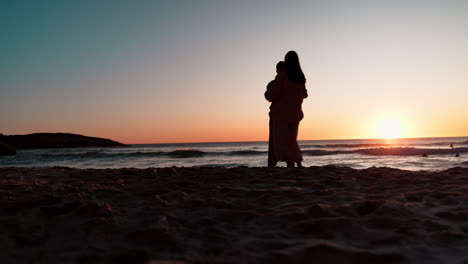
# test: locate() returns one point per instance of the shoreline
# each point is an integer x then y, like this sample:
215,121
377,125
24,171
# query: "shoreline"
233,215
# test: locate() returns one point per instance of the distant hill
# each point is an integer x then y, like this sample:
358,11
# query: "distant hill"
56,140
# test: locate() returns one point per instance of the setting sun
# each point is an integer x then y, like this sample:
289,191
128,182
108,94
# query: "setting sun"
388,128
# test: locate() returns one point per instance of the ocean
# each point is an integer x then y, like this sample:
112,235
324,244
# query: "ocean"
409,154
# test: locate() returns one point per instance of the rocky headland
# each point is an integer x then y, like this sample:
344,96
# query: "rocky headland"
8,143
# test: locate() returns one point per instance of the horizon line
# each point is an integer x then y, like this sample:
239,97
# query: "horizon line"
252,141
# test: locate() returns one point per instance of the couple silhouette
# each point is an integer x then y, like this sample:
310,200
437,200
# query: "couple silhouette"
286,93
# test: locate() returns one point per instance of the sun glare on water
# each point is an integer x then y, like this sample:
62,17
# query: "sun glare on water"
388,129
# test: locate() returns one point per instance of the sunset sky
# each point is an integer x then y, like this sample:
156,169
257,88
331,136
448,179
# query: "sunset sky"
196,71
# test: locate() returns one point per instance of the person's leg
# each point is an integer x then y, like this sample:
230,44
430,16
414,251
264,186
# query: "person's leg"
294,128
271,150
293,148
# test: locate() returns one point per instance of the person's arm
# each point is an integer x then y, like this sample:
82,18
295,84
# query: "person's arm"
277,87
305,95
268,91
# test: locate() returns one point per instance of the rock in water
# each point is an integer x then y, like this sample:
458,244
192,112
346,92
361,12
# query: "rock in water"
6,149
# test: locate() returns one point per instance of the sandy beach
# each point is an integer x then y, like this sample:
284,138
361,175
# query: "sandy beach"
233,215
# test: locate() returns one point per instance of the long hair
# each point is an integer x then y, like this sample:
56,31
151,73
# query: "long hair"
293,67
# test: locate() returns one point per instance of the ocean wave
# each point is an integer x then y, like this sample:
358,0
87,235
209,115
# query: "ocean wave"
414,163
320,152
409,151
75,154
448,143
361,145
386,145
395,151
185,153
141,154
193,153
96,154
246,153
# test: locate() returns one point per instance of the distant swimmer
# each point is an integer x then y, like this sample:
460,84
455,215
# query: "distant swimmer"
424,155
451,145
457,155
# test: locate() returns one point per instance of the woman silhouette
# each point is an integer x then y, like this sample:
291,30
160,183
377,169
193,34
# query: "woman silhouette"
288,93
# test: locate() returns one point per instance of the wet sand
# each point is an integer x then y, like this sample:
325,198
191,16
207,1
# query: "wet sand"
233,215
